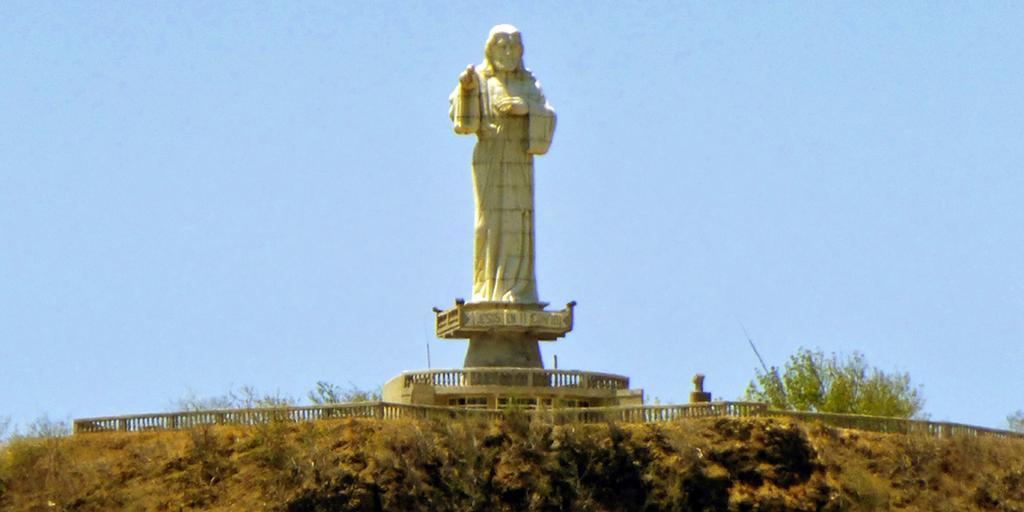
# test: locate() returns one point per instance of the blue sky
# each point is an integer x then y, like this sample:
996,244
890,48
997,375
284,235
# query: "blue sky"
201,196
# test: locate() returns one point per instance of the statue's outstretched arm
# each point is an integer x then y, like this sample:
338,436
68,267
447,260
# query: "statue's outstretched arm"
464,103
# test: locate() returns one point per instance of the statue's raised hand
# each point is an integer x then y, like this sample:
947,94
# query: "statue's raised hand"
513,105
468,78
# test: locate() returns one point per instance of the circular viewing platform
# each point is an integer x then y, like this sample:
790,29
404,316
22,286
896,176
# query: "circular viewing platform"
495,388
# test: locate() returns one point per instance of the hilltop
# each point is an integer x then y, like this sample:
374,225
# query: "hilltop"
513,463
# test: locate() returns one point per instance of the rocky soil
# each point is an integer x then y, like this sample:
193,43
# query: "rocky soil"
513,464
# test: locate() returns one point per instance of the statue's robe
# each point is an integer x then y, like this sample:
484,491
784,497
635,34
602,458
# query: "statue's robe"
503,254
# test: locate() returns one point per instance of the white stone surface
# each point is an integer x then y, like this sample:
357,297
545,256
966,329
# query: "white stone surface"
502,104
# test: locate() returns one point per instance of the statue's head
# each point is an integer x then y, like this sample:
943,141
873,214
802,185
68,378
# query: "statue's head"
504,51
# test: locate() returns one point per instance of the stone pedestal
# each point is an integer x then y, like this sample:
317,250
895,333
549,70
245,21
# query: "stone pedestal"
503,350
503,368
698,395
502,334
500,388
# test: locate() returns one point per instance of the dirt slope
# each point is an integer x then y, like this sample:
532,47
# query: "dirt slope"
513,464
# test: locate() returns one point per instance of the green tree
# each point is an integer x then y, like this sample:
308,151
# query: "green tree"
1016,421
811,381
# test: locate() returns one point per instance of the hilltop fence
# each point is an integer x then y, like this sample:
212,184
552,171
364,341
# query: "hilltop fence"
627,414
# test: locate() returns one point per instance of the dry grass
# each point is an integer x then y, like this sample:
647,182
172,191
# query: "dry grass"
512,464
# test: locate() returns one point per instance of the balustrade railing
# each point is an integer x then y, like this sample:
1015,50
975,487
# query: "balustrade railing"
532,377
627,414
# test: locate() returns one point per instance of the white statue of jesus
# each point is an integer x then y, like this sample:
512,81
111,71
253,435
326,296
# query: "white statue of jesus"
501,102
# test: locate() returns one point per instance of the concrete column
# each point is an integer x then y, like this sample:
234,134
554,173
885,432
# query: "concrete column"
503,350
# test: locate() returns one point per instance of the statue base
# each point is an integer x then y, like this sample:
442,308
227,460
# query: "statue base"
503,368
503,334
503,388
503,350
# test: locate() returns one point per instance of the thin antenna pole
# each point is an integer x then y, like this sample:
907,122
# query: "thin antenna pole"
426,341
782,387
751,342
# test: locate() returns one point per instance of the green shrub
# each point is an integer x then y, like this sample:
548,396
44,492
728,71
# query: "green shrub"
813,382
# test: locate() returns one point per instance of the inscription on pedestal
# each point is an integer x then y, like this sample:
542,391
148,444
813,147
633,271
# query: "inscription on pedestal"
521,319
468,320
